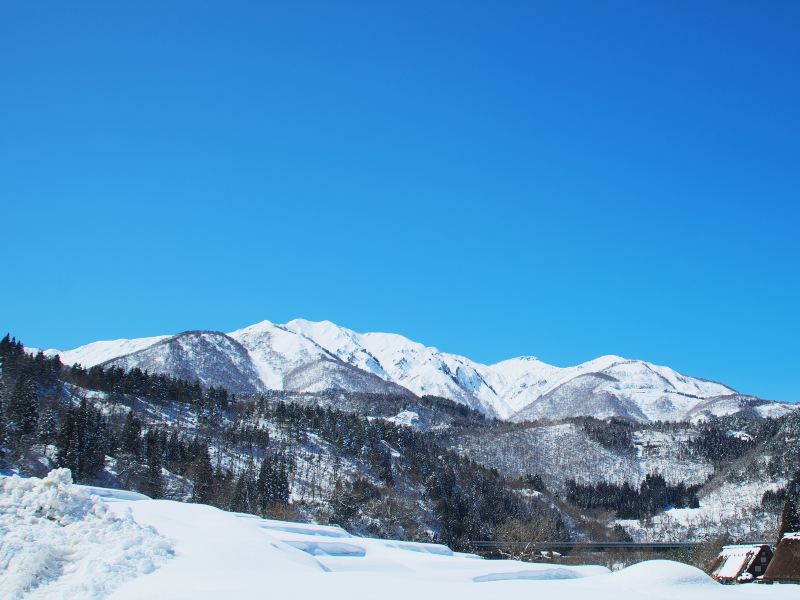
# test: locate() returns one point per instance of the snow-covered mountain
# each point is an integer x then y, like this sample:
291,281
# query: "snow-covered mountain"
305,355
212,358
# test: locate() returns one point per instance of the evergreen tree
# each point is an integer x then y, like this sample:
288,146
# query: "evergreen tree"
82,441
22,408
130,440
272,484
153,480
245,496
263,484
280,487
202,475
48,427
3,439
790,517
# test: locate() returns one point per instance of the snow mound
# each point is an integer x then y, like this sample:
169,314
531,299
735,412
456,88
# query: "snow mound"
530,574
663,573
59,541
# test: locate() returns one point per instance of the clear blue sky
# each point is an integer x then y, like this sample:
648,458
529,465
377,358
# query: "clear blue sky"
562,179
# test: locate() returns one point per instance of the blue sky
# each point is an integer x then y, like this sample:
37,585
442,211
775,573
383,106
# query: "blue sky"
562,179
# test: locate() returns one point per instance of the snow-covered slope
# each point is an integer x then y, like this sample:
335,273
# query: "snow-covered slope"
287,361
130,547
99,352
720,406
422,369
210,357
312,356
632,388
559,452
276,352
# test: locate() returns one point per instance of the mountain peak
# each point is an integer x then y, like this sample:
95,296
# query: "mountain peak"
313,355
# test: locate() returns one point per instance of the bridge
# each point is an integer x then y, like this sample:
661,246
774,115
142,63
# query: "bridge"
592,546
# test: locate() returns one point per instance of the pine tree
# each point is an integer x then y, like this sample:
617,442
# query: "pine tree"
48,427
82,441
153,481
3,439
263,485
22,408
130,440
5,346
281,485
245,496
202,475
790,517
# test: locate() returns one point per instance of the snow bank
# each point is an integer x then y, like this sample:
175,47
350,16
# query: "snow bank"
537,574
662,574
59,541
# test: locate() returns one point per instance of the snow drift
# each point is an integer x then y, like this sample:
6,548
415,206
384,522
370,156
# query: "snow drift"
59,541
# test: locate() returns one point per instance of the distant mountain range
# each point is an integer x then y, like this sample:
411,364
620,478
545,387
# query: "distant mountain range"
307,356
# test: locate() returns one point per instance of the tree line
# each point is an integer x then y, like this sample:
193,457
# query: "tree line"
653,495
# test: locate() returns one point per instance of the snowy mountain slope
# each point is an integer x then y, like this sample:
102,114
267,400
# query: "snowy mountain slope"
732,509
719,406
99,352
584,395
558,452
326,374
731,501
294,362
213,554
311,356
423,370
276,352
621,387
640,390
209,357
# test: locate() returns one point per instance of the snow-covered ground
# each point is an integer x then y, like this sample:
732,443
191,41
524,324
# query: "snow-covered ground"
64,541
59,541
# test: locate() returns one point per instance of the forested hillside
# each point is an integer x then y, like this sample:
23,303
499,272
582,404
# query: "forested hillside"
167,437
420,468
722,477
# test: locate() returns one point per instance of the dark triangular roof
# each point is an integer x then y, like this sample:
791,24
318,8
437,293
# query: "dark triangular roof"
785,565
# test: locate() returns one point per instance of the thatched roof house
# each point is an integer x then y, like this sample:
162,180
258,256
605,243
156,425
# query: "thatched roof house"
741,563
785,566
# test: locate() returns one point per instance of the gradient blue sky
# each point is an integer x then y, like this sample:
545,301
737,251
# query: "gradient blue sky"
563,179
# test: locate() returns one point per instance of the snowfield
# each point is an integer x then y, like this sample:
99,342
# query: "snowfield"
65,541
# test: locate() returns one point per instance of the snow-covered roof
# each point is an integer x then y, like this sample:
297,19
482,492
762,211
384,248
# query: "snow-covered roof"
735,559
735,549
792,535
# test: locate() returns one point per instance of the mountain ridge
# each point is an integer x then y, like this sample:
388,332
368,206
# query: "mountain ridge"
303,355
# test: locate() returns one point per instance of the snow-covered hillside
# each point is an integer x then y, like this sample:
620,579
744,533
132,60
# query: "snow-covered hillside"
558,452
209,357
311,356
94,543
